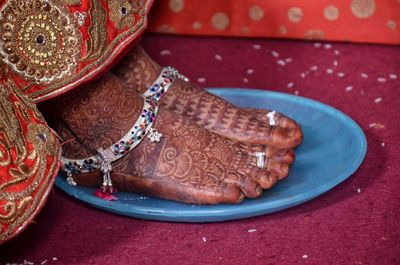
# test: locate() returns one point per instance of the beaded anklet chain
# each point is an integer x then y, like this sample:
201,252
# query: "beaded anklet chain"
141,129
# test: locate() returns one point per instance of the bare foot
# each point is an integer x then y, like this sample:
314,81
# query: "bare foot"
138,70
189,164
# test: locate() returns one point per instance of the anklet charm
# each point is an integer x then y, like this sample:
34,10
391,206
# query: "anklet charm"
70,179
106,168
260,159
154,136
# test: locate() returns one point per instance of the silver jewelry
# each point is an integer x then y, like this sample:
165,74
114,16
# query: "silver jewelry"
142,128
154,136
260,159
272,119
70,179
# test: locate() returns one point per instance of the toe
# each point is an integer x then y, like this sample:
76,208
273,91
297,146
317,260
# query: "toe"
264,178
230,194
286,122
285,155
267,180
282,155
285,137
249,187
281,170
283,120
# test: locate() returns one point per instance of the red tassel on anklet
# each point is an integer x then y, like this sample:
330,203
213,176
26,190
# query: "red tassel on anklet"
107,194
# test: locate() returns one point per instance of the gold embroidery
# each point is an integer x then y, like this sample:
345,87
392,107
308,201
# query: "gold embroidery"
97,31
112,49
38,136
5,156
71,2
41,40
9,124
26,173
122,13
100,63
10,210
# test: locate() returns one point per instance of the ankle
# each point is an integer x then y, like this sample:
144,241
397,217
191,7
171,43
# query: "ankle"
102,114
137,70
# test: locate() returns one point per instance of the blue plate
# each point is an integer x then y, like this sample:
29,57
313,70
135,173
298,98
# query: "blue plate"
334,147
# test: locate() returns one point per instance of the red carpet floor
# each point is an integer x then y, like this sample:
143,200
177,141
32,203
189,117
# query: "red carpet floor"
358,222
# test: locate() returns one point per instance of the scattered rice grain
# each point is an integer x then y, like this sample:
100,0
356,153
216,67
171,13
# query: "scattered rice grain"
165,52
337,52
204,239
303,75
250,71
288,60
381,79
290,85
252,230
201,80
349,88
43,262
383,144
341,74
314,68
55,258
376,125
393,76
378,100
256,46
335,63
218,57
364,75
358,190
328,46
317,45
305,256
329,71
296,92
245,80
281,62
275,54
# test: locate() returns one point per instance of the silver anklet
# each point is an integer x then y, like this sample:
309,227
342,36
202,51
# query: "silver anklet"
142,128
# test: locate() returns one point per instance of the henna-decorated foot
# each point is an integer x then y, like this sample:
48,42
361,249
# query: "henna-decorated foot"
138,70
189,164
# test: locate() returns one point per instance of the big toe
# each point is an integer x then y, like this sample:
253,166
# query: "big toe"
285,137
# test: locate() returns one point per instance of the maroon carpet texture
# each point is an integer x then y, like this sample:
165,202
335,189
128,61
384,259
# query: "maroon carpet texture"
357,222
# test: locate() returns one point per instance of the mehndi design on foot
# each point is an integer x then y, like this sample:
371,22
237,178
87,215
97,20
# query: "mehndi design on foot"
189,164
211,112
102,161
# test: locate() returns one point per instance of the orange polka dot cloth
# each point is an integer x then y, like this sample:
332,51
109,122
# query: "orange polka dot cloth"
339,20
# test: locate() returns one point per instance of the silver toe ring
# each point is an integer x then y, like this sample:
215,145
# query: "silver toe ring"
272,119
260,159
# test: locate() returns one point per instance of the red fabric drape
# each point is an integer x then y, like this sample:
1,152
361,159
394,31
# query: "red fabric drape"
340,20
